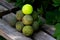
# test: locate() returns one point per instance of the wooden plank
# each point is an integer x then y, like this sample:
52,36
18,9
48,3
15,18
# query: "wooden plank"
10,33
2,9
42,36
49,28
6,4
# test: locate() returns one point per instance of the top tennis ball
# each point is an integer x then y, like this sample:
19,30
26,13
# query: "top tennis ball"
27,9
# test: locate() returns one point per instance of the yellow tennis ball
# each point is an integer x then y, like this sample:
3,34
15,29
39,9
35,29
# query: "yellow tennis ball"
27,9
27,30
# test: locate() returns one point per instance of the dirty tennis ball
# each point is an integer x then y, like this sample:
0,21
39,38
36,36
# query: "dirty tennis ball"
27,9
35,25
10,18
35,15
27,20
19,26
27,30
19,15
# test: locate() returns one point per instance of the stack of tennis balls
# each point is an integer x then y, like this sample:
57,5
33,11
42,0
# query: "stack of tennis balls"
25,20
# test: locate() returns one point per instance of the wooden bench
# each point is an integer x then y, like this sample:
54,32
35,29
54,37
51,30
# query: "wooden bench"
2,9
10,33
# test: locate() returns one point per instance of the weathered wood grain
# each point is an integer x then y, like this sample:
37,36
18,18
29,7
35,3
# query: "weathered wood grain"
42,36
6,4
49,28
10,33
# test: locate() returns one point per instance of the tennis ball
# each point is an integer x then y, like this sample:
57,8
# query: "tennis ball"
27,9
19,26
19,15
35,15
27,20
35,25
27,30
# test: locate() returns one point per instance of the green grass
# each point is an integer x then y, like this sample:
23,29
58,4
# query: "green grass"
1,38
